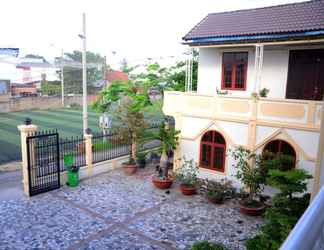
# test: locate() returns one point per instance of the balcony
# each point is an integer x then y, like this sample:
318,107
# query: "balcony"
299,114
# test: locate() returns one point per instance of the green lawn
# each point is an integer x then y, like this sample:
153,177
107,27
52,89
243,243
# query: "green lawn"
67,121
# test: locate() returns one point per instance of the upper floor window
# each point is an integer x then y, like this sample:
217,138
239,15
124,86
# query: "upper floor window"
234,70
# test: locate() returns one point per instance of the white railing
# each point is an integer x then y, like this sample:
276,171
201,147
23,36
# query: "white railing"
308,233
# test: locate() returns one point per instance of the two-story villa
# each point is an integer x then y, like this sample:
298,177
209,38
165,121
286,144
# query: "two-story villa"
280,48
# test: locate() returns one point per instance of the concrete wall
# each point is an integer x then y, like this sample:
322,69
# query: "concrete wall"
27,103
236,134
274,72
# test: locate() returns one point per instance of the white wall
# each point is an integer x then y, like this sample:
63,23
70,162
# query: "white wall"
210,70
274,71
237,133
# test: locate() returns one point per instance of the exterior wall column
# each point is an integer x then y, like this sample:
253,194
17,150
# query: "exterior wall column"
25,131
258,63
252,124
177,153
88,151
319,164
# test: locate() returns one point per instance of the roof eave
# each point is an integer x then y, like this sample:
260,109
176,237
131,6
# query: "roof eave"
254,38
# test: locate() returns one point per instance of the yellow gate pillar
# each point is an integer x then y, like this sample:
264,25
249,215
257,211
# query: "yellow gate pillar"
25,131
88,151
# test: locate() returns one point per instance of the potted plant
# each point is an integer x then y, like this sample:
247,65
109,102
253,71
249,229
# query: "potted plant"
169,138
250,173
141,159
217,192
126,100
188,177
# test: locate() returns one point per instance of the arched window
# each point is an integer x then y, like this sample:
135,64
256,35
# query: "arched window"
212,151
277,147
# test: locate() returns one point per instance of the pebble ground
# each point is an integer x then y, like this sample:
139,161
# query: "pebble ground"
114,211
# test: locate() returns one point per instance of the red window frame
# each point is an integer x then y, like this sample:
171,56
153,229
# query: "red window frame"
232,59
214,145
279,144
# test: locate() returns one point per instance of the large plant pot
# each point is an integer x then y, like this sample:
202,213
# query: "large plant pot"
187,190
215,200
129,169
141,163
252,211
162,184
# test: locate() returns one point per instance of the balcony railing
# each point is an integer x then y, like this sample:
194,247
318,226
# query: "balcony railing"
308,233
300,113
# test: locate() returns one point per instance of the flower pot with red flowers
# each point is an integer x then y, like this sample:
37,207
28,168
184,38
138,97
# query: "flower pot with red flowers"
252,177
169,140
187,175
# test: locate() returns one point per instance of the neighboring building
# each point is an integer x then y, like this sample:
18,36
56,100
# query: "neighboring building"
114,75
24,89
280,48
5,93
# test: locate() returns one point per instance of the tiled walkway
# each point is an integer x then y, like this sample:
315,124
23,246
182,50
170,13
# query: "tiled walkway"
114,211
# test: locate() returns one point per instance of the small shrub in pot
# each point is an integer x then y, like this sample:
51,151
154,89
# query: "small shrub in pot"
187,175
252,177
218,191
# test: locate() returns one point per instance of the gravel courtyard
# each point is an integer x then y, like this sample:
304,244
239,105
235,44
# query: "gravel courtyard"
114,211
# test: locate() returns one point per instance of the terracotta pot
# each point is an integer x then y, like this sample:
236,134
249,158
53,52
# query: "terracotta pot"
129,169
187,190
215,200
252,211
162,184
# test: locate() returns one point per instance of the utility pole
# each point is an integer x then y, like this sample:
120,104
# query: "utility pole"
84,76
62,77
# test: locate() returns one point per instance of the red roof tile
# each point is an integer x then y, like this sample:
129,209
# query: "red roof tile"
116,75
288,18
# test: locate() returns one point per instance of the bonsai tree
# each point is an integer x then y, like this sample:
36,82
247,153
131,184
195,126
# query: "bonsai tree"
252,176
126,100
288,206
169,138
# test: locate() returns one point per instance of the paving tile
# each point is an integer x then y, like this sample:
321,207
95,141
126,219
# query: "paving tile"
120,239
43,222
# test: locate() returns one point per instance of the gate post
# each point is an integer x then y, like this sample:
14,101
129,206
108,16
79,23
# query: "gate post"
88,151
25,130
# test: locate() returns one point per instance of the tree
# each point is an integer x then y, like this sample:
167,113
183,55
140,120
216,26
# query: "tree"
172,77
126,100
288,206
176,77
73,76
36,57
51,88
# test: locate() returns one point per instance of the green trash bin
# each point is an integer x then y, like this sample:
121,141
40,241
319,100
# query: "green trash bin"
73,178
72,171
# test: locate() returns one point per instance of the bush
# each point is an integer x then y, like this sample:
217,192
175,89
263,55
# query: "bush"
205,245
288,206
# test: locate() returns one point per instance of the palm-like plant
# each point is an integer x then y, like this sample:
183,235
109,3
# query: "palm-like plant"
169,138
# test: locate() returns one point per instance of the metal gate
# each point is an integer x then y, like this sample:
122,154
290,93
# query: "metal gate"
43,162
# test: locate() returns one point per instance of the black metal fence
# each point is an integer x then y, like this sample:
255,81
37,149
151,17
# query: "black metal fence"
107,147
43,162
104,146
74,146
110,146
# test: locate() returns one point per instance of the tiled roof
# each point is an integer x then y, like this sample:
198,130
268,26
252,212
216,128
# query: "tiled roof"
281,19
116,75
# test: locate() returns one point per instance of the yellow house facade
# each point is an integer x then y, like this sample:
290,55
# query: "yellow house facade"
239,61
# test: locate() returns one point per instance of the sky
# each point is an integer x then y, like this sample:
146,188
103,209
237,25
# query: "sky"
134,29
